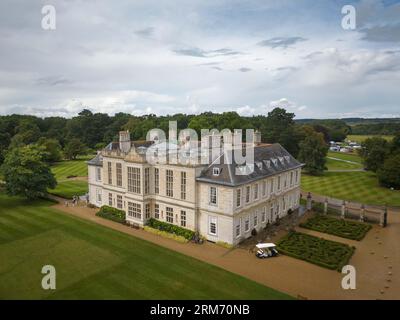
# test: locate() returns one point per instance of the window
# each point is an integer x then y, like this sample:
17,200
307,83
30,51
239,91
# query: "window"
213,195
146,180
170,214
272,212
291,178
285,177
170,183
183,218
238,197
119,174
237,227
119,202
264,188
147,210
98,195
264,215
297,176
156,181
98,174
272,186
279,183
216,171
109,173
157,211
255,191
183,185
212,226
135,210
247,224
255,219
110,199
247,194
133,180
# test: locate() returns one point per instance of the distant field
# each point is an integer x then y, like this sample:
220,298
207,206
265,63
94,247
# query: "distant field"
361,187
354,157
67,188
361,138
341,165
95,262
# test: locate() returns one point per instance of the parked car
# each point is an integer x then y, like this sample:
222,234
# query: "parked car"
266,250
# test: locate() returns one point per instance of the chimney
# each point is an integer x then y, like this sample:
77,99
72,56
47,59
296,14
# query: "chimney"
257,138
124,141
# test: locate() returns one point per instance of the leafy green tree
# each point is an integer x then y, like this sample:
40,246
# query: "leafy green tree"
313,151
74,148
374,152
395,144
25,173
52,148
389,173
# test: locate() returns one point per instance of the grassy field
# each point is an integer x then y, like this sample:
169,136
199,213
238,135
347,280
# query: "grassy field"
353,157
67,188
332,164
338,227
362,138
94,262
325,253
361,187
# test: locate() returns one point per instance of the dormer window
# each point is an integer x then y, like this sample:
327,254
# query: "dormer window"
259,165
216,171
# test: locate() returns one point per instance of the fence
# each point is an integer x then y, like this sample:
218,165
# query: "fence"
347,209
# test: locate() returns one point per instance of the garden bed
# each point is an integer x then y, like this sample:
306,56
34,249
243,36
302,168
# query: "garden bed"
325,253
112,214
338,227
170,228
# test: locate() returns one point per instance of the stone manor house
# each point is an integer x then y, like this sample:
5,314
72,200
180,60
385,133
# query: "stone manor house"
212,199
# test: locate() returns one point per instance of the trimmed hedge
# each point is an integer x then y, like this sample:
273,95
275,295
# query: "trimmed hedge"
171,228
338,227
325,253
165,234
113,214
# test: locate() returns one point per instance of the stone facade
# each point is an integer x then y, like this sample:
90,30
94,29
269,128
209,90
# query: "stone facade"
219,210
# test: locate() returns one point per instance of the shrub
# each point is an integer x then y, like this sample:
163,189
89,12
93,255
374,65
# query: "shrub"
165,234
171,228
254,232
113,214
325,253
338,227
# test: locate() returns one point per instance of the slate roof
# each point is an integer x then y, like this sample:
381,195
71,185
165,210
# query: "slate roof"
268,160
96,161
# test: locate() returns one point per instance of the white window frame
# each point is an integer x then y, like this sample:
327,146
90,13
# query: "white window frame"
169,215
212,197
211,221
255,191
98,195
183,218
247,224
238,227
98,174
238,197
248,194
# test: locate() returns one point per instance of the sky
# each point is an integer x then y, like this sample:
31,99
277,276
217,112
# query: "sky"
180,56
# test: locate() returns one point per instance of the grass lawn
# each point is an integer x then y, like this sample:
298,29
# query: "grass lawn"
67,188
325,253
332,164
361,187
338,227
353,157
362,138
95,262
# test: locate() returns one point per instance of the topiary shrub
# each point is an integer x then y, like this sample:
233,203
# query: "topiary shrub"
171,228
113,214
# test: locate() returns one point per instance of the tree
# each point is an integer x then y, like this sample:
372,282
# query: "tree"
25,172
313,151
279,127
74,148
52,148
374,152
389,173
395,144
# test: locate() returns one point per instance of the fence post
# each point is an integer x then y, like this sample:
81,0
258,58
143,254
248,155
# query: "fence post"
326,206
343,209
362,213
309,205
383,222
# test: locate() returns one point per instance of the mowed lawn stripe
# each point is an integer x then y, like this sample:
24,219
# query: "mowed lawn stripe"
93,261
361,187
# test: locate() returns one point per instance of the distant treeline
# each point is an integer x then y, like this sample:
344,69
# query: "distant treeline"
377,128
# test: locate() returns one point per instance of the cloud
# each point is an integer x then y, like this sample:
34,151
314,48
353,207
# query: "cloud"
281,42
246,111
52,81
244,69
382,33
286,104
197,52
146,32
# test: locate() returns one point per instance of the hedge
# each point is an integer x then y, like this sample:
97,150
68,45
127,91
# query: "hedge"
171,228
165,234
338,227
113,214
325,253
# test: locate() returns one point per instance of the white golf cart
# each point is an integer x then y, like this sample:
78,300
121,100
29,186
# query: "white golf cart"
266,250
